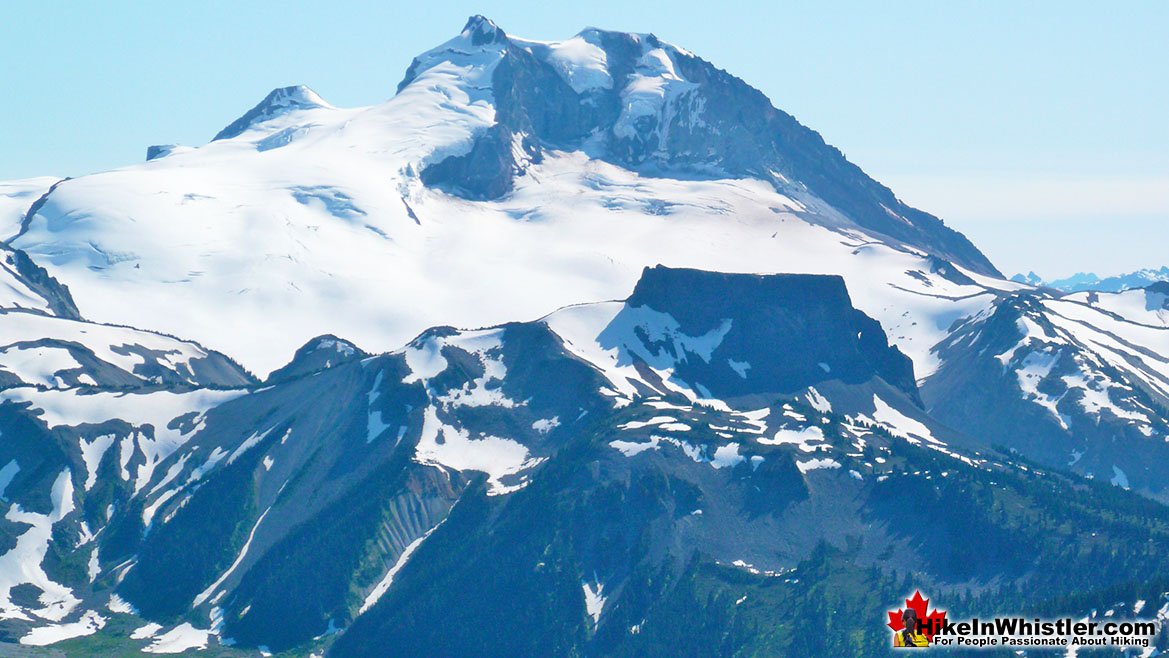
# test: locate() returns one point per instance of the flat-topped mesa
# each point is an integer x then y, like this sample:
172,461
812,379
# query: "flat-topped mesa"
277,102
779,333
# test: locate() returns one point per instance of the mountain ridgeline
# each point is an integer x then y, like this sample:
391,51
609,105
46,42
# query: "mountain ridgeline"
243,411
1085,281
788,332
596,483
657,109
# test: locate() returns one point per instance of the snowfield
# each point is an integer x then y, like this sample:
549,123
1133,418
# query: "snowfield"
302,219
251,248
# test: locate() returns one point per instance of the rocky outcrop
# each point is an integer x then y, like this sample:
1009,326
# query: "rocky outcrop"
662,111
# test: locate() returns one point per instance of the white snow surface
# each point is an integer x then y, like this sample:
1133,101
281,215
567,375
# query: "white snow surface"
90,623
15,199
580,61
384,584
157,409
252,251
22,563
900,424
594,600
146,631
805,438
1089,338
816,464
15,293
498,457
40,365
1143,306
180,639
92,453
444,444
6,474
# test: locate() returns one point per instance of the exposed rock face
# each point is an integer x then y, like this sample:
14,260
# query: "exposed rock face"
563,480
649,106
284,99
778,333
322,352
692,466
57,296
1026,376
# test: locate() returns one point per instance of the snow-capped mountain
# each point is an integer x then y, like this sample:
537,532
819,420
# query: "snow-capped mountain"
1079,381
44,343
803,385
1085,281
675,425
16,198
549,173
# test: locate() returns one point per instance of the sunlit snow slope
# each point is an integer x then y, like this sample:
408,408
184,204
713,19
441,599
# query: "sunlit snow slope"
461,201
159,496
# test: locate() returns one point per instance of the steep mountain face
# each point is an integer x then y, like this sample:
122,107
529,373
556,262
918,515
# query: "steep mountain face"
318,354
654,108
1078,382
597,479
728,460
36,290
46,344
550,173
280,101
44,351
776,334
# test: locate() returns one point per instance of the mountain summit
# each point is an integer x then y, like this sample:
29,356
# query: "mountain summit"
505,177
648,106
805,387
1082,281
279,101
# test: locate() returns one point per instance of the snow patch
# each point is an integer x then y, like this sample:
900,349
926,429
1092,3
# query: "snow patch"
814,464
22,564
179,639
740,367
803,438
1119,478
91,454
444,445
594,600
384,585
90,623
901,424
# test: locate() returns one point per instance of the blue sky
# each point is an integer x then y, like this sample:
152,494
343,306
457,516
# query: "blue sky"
1041,131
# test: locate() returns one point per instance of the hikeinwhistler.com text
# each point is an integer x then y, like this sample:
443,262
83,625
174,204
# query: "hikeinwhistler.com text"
1020,632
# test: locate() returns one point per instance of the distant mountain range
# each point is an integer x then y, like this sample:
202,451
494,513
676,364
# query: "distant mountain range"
576,348
1087,281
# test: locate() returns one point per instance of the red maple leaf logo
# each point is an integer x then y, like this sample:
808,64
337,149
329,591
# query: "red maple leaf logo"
919,605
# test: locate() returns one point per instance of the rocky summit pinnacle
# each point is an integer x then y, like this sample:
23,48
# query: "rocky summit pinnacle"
278,101
483,30
798,384
649,106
